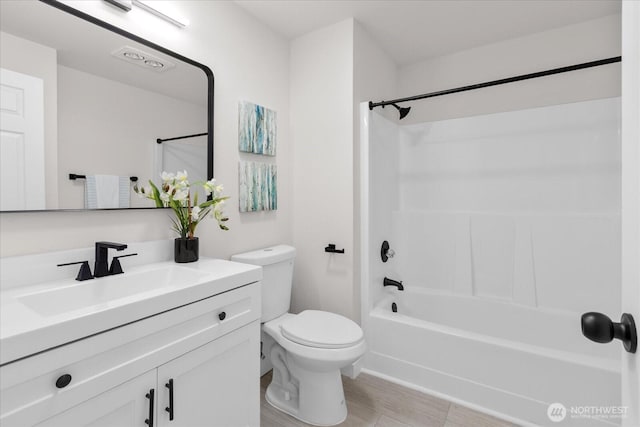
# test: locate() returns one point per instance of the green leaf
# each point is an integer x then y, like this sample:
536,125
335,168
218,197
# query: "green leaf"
156,195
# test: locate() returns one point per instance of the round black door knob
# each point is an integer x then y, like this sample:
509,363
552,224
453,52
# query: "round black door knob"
222,315
600,328
63,381
597,327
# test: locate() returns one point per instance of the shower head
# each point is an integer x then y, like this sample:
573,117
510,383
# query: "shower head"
403,111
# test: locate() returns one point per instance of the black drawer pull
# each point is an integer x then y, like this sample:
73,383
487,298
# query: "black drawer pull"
63,381
222,315
150,396
169,408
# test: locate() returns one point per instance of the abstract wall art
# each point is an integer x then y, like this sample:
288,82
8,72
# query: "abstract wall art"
258,186
257,129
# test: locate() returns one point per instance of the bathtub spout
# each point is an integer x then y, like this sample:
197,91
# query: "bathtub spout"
391,282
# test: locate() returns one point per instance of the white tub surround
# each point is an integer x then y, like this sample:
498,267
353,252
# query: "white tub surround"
506,228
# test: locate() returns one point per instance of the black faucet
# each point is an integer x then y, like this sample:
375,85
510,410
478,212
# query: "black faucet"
391,282
101,268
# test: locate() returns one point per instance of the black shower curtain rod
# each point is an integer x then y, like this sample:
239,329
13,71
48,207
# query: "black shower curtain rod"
160,141
521,77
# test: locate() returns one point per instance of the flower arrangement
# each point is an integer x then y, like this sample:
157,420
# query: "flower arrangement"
175,193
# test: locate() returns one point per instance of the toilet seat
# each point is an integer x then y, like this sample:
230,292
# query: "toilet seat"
318,354
321,329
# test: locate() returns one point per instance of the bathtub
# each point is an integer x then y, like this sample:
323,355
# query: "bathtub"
461,348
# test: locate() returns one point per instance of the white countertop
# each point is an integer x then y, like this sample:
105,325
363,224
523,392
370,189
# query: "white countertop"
25,330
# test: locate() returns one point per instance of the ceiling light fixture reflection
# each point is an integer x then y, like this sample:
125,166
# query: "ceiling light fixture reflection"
133,55
127,5
154,64
178,22
144,59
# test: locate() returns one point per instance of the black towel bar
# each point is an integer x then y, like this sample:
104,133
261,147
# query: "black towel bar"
74,176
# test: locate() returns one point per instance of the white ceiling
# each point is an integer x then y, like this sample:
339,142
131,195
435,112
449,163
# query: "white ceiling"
86,47
410,31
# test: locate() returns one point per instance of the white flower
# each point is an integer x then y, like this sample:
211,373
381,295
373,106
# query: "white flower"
195,213
167,177
175,192
181,179
180,195
181,176
209,186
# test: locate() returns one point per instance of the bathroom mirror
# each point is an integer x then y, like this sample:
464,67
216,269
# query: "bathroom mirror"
81,97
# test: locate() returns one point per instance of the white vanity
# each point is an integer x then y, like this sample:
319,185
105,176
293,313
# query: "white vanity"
161,345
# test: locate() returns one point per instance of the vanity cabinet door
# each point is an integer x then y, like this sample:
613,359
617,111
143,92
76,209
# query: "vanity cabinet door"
126,405
214,385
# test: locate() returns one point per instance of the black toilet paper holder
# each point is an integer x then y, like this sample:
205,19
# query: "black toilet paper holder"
331,248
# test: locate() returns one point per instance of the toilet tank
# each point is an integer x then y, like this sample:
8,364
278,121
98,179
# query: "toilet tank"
277,277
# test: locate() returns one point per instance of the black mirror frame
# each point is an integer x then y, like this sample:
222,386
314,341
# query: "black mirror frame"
131,36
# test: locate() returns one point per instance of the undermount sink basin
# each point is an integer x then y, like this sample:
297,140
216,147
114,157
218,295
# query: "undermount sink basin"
102,291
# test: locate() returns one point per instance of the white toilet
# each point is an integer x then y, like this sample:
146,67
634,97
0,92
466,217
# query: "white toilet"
310,348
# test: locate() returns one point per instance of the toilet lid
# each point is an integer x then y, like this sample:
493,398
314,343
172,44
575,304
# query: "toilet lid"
321,329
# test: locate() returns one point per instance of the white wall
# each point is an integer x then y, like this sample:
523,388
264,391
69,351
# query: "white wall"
587,41
332,71
322,134
26,57
249,62
117,135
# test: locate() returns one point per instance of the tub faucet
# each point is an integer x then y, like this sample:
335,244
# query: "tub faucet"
391,282
101,268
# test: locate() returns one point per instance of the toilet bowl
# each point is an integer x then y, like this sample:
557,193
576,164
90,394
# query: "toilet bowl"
310,348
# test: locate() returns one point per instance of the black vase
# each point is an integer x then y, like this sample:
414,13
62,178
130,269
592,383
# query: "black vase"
186,250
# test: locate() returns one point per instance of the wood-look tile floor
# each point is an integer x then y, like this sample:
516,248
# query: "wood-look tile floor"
374,402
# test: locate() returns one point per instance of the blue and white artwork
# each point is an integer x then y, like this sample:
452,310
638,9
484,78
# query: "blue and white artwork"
258,187
257,129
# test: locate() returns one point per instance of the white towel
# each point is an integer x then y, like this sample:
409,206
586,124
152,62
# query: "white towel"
106,192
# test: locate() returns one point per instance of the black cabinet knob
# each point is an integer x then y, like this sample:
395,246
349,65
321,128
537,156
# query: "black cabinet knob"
599,328
63,381
222,315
